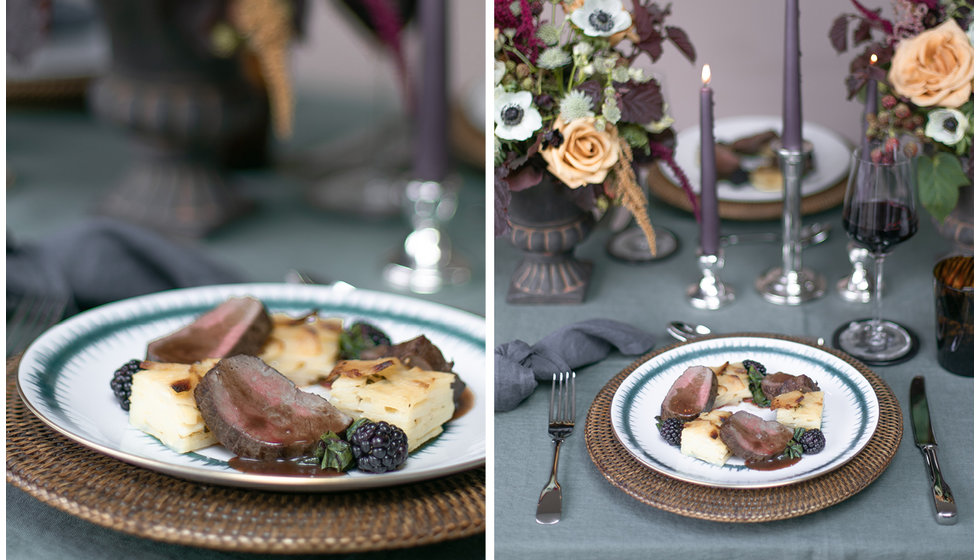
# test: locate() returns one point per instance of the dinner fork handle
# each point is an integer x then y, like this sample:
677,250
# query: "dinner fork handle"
549,503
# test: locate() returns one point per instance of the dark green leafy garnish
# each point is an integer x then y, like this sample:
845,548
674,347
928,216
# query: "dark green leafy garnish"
755,382
354,426
360,337
793,448
332,452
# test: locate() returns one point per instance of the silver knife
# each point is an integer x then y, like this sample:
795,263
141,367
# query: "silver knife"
926,442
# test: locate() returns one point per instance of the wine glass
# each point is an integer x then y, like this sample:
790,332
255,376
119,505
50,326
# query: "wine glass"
879,213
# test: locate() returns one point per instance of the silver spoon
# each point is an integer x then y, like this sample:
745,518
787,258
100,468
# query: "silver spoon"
684,331
812,234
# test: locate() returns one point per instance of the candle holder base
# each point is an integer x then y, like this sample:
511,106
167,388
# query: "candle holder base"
710,292
425,263
790,288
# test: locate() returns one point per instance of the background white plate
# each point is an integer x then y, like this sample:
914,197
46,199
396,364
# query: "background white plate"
64,378
831,156
850,413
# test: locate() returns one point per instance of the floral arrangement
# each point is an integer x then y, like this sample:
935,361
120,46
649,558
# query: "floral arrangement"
570,101
924,72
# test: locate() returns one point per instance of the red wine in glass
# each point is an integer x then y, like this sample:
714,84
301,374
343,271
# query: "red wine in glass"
879,225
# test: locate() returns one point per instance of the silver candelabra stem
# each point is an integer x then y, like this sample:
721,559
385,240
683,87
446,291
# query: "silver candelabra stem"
425,262
710,292
791,284
856,286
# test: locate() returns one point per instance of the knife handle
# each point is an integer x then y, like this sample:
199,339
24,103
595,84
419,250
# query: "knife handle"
942,495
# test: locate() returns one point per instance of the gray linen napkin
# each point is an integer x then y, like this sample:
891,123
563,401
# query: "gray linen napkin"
518,366
103,260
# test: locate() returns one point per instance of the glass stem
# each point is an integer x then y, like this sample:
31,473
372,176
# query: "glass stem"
876,337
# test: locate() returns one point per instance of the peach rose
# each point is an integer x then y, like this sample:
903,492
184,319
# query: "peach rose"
586,154
935,67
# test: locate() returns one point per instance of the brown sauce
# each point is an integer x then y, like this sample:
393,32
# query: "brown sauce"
780,462
280,468
466,401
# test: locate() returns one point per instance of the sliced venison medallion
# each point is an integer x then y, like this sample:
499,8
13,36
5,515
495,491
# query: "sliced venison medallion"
691,394
776,384
239,325
752,438
258,413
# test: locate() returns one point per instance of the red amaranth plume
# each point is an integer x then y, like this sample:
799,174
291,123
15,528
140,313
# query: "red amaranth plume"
525,38
886,25
388,24
660,151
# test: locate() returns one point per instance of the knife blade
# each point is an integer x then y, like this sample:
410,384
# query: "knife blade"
926,442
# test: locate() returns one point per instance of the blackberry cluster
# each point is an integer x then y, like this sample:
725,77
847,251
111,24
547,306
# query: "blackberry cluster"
122,382
758,367
378,446
670,430
812,441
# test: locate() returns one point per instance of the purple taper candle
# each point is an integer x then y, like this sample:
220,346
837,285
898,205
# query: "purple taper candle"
792,105
431,116
709,174
870,106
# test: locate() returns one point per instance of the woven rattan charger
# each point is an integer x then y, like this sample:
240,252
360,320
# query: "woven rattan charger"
116,495
674,195
741,505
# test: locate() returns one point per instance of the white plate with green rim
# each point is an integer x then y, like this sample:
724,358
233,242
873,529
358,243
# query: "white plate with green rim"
64,378
850,413
831,157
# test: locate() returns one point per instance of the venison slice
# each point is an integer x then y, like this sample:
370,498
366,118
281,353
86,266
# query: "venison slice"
237,326
752,438
776,384
258,413
691,394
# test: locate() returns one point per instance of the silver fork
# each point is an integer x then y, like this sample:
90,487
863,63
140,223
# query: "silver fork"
31,316
561,422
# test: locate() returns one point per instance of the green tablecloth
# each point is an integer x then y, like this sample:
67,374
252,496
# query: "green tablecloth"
62,161
892,518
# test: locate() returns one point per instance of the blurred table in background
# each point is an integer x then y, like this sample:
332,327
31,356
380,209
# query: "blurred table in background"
892,518
61,161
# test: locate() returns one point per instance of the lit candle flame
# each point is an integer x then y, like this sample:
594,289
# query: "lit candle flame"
874,58
705,74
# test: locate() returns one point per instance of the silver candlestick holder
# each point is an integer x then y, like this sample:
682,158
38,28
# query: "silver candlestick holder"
856,287
426,262
710,292
791,284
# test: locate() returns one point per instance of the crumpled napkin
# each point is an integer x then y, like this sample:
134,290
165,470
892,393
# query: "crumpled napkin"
103,260
518,366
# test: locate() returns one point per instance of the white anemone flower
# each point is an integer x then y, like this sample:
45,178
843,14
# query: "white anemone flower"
601,18
516,118
947,126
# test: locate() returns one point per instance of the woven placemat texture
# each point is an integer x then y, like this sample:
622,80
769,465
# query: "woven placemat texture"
741,505
674,195
113,494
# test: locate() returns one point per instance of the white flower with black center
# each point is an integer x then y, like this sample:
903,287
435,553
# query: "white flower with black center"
947,126
601,18
514,115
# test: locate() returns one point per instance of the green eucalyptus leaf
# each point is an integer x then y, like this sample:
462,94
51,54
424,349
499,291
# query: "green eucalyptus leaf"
940,177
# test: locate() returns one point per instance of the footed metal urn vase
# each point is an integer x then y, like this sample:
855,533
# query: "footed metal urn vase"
190,112
547,225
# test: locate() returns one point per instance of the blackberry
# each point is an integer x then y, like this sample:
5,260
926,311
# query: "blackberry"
360,337
670,430
378,446
122,382
752,363
812,441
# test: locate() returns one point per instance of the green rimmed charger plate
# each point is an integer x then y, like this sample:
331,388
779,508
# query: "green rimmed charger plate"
864,458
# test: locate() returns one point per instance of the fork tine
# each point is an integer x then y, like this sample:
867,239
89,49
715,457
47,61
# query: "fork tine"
551,403
572,414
